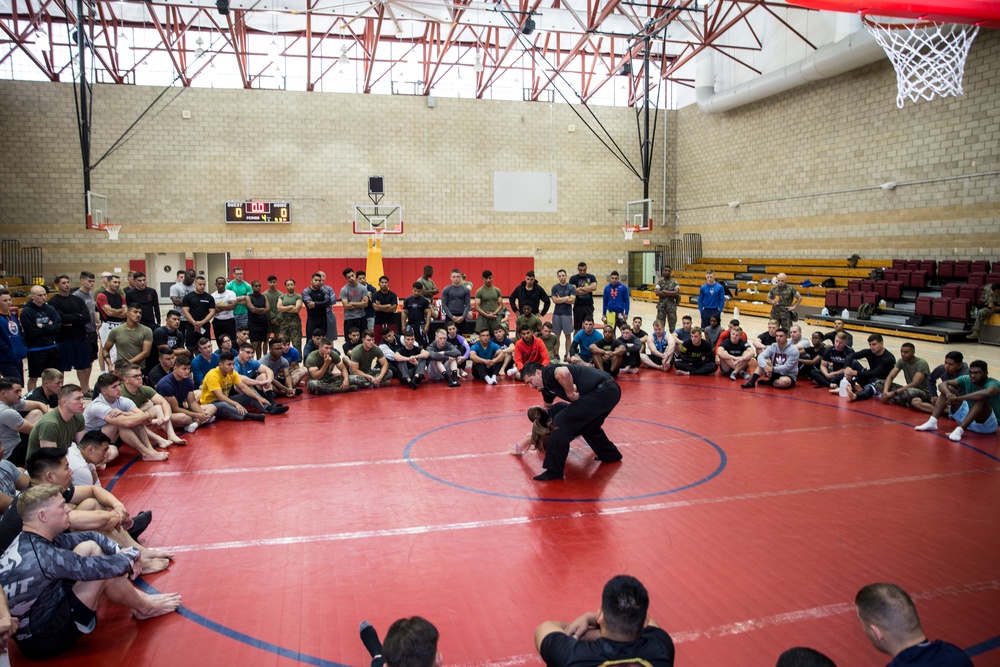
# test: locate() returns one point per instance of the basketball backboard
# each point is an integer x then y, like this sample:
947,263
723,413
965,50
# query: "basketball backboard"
378,219
639,215
97,211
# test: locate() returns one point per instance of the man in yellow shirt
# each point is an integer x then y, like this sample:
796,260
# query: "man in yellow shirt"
218,386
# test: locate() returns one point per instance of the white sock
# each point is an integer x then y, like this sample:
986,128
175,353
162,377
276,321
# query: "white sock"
956,435
929,425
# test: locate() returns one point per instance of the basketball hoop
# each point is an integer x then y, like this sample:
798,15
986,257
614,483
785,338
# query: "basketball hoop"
629,231
378,232
112,231
929,58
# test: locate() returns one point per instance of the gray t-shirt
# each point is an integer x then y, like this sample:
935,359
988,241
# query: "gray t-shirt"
10,421
99,408
9,473
355,294
277,367
562,291
180,290
88,298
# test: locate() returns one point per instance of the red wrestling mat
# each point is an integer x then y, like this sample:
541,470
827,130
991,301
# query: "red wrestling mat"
753,517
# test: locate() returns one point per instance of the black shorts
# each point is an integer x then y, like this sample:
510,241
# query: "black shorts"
39,360
74,355
92,344
258,331
580,312
55,633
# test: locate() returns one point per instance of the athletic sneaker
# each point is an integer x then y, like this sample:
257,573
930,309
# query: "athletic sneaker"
732,376
745,375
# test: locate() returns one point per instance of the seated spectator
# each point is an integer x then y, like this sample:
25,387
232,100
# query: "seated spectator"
506,346
991,298
916,373
204,362
12,481
694,356
410,642
606,352
88,457
767,338
880,362
528,348
972,400
364,360
63,426
352,341
290,352
713,330
838,327
528,317
734,354
120,419
831,370
259,377
56,595
163,367
637,331
178,389
48,391
725,334
313,342
443,357
487,357
778,364
802,656
328,374
461,344
889,619
551,342
286,381
217,390
12,424
684,333
225,343
795,337
411,360
632,347
150,402
811,354
954,366
620,632
581,348
659,352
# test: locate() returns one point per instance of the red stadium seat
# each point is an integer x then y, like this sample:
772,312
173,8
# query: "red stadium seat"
843,299
992,278
940,308
899,264
963,268
853,285
918,279
950,290
903,277
831,300
913,265
890,274
894,291
958,309
980,296
930,266
881,288
977,278
855,301
980,266
867,285
946,268
924,306
870,297
968,292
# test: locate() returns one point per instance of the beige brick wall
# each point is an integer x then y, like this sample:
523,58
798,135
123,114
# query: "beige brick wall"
803,155
168,184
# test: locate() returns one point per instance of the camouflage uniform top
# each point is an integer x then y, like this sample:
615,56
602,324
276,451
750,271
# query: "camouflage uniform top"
668,284
786,295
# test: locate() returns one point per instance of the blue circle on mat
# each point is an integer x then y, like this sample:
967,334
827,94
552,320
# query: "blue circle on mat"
722,465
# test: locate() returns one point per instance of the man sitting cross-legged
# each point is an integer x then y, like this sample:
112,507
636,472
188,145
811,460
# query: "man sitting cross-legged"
444,357
580,350
120,418
328,374
164,365
972,400
217,390
178,390
607,354
528,348
767,338
283,381
506,346
734,354
954,366
659,352
147,400
830,371
259,377
411,360
57,579
632,346
365,358
778,364
486,357
695,355
620,632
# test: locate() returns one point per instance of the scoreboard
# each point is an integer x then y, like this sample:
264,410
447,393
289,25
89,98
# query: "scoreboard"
258,211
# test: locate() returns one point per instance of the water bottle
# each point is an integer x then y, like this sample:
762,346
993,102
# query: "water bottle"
825,312
736,313
845,314
843,387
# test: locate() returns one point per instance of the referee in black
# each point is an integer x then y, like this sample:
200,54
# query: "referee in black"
592,395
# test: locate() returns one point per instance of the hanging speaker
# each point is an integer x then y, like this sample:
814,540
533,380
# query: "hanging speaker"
529,26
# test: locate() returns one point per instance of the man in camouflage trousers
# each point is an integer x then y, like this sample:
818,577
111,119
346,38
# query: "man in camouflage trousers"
669,292
783,299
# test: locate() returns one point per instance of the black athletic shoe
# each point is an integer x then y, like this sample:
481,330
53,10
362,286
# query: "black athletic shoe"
547,476
254,417
278,409
749,385
140,522
369,637
413,384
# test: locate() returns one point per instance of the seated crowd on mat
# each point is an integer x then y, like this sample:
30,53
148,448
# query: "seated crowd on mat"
622,631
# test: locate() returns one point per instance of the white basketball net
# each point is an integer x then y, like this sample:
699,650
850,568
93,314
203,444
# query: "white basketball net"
629,231
929,58
112,231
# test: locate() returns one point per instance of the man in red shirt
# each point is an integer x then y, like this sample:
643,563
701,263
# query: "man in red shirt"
528,348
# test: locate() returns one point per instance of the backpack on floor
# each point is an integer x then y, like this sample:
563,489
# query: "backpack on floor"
876,274
829,283
865,311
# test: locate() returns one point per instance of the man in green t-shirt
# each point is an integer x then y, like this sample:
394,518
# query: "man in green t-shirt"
64,425
273,295
147,400
133,343
241,289
364,360
972,400
489,304
328,374
917,374
430,289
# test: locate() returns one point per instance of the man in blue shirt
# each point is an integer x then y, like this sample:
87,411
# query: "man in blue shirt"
711,299
579,350
258,376
616,302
